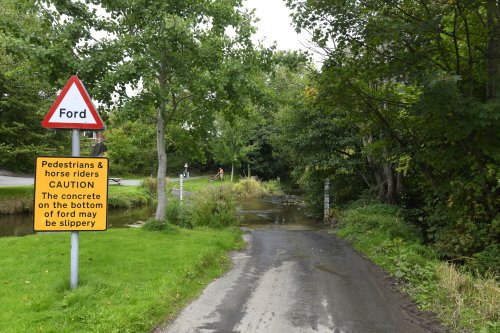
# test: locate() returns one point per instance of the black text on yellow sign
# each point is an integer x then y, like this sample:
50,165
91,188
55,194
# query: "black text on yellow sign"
71,194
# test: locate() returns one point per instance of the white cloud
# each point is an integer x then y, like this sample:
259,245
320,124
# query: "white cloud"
275,25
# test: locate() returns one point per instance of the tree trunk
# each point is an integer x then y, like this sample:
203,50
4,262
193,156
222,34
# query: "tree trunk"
389,178
326,200
399,184
493,50
162,165
375,168
232,171
390,196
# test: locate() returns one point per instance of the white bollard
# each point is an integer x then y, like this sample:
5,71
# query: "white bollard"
181,178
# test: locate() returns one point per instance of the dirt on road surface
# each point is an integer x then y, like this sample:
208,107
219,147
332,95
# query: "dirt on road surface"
302,281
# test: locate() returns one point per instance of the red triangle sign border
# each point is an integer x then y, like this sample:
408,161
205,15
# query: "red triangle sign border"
72,125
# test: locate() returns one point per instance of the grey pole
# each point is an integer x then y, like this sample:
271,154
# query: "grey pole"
181,177
75,152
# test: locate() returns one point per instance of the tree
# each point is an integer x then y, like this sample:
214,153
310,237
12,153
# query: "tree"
418,80
37,56
232,142
171,54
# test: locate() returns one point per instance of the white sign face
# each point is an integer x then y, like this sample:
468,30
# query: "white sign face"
73,109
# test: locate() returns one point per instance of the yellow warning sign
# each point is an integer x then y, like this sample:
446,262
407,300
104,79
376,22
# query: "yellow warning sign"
71,194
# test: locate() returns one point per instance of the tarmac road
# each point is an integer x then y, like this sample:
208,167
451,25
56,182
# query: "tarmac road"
26,181
301,281
16,181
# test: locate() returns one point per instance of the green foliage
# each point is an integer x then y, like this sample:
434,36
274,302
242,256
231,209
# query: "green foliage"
485,261
154,225
214,207
179,214
273,187
232,143
131,148
405,106
150,184
127,196
15,200
250,187
42,43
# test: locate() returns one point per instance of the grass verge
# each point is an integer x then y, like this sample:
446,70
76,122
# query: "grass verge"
16,199
464,302
128,196
129,281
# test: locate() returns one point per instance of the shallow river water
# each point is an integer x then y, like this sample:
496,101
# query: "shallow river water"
276,212
281,212
22,224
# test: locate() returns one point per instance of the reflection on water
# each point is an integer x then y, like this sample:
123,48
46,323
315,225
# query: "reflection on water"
22,224
275,212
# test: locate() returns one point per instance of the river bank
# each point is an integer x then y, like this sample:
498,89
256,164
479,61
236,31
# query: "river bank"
19,199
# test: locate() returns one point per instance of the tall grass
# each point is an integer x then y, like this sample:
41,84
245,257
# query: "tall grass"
463,301
252,187
475,300
214,206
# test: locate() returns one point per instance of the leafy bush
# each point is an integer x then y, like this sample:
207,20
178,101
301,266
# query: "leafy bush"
487,260
131,148
273,187
154,225
179,213
151,185
214,206
250,187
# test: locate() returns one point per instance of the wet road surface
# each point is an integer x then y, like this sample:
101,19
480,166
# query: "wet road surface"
300,281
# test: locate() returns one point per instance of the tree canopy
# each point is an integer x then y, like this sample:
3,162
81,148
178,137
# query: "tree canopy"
412,89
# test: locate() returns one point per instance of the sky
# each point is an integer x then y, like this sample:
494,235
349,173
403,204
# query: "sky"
275,24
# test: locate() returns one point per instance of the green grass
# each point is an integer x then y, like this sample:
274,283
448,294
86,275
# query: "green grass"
129,280
127,196
464,302
16,192
193,185
16,199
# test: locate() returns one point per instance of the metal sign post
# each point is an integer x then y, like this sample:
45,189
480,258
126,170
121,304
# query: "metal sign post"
75,152
73,109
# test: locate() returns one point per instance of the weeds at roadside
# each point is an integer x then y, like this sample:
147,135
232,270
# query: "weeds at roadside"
463,301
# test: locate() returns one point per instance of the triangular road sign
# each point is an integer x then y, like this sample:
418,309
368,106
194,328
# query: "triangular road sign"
73,109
